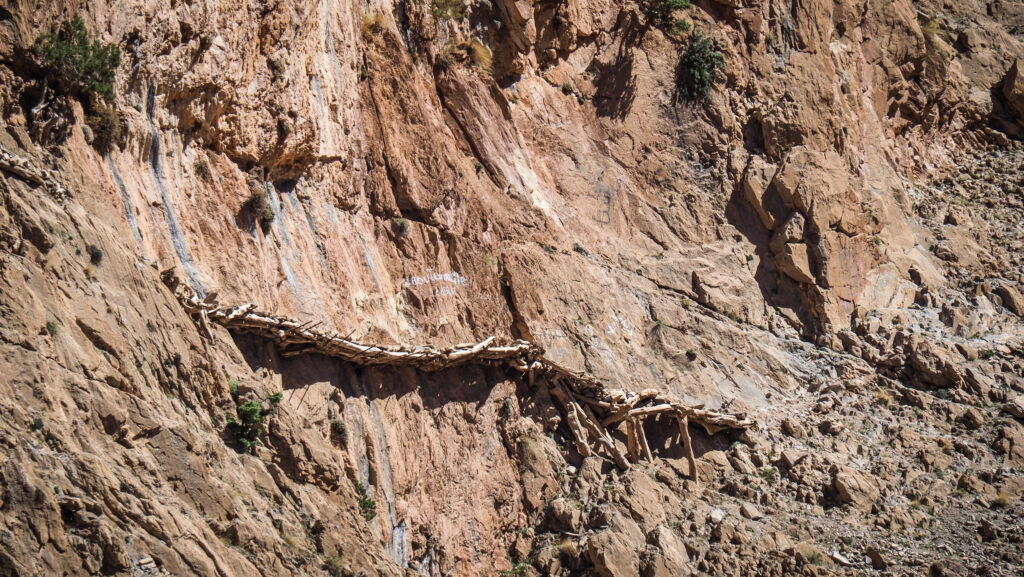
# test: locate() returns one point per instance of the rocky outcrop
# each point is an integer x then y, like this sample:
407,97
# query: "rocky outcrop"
830,243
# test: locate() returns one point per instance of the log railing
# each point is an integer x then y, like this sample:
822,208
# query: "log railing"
592,410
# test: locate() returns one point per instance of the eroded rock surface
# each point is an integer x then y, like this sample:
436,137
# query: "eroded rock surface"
831,243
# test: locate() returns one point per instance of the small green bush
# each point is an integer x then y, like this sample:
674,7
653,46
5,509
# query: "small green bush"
338,428
275,399
38,424
95,254
698,68
75,63
815,558
249,426
660,12
367,506
52,328
233,389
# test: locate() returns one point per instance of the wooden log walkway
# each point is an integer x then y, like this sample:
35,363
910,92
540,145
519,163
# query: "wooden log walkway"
592,409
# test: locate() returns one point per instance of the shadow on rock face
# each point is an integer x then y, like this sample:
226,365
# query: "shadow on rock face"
617,87
663,438
469,384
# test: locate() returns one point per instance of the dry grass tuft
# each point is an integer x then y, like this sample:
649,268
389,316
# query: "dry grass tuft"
481,56
472,50
372,25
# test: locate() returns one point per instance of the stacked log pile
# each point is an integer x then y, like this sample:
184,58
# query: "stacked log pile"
592,410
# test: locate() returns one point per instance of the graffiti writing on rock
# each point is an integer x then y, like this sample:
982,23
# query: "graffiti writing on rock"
619,322
606,194
438,284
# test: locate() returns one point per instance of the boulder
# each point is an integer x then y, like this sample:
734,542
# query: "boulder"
1015,407
1013,90
565,515
933,364
791,231
878,561
794,261
727,294
854,488
794,429
672,559
751,512
791,457
614,553
972,419
1011,297
806,553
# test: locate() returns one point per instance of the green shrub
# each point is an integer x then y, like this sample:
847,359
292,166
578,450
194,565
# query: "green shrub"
815,558
95,254
338,429
52,328
75,63
106,125
248,427
367,506
660,13
233,389
38,424
518,568
698,68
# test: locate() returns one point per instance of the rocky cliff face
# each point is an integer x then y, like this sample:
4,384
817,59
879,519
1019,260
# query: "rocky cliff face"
830,243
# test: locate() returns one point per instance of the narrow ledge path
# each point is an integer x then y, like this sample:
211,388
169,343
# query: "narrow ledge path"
591,408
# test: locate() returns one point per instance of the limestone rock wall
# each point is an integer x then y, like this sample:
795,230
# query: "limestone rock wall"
521,171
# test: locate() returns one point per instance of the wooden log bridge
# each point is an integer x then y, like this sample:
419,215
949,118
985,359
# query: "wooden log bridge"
592,410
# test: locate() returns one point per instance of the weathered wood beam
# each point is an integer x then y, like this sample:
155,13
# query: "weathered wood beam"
591,407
